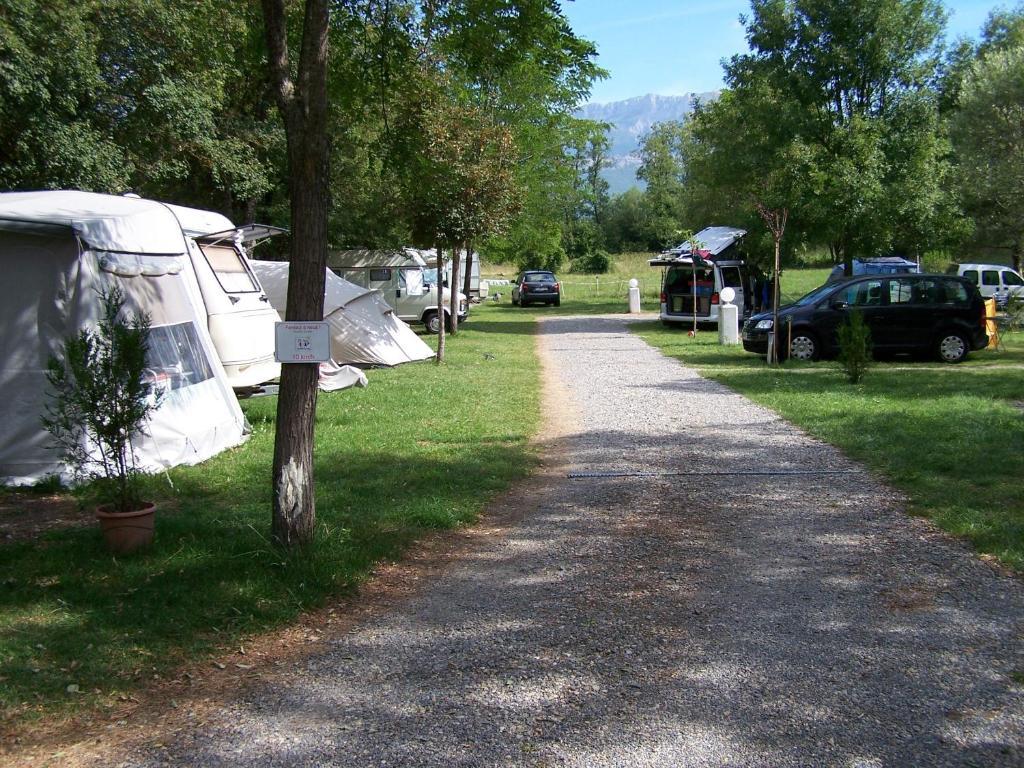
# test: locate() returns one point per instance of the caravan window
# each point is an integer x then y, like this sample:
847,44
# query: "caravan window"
176,358
412,280
380,275
229,267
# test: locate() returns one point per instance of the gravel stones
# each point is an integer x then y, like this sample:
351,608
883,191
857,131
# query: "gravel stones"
667,620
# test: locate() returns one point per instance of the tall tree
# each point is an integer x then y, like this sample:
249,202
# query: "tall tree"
989,134
662,168
302,101
851,85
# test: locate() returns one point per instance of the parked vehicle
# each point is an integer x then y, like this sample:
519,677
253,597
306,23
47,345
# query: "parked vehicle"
942,314
240,317
994,281
536,287
881,265
399,276
693,279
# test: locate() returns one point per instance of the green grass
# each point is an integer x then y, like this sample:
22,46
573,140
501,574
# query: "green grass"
950,436
423,447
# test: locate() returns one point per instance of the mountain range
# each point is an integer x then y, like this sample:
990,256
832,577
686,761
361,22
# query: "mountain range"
630,121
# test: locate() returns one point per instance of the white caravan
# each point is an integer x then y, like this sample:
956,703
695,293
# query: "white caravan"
59,250
240,317
399,276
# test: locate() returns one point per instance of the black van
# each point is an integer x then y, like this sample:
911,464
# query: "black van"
905,313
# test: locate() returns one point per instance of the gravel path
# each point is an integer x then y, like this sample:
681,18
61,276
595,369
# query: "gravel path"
683,617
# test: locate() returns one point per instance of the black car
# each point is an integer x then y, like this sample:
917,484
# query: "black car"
536,287
941,314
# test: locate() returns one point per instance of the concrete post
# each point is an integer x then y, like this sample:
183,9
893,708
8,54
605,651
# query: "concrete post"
634,297
728,319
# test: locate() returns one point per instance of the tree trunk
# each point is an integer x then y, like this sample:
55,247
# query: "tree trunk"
440,305
467,285
303,105
775,302
454,288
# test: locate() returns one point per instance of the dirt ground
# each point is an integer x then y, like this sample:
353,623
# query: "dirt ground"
26,516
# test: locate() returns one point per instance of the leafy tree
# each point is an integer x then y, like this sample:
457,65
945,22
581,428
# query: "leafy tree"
625,226
662,168
989,133
855,122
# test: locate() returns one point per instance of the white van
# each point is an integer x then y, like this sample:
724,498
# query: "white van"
399,276
993,280
693,279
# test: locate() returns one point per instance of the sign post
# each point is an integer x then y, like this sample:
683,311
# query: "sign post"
302,342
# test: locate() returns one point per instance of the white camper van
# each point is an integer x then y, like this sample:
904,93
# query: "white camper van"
240,316
693,277
994,281
399,276
59,250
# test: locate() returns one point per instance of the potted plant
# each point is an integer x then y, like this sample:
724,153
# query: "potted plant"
101,401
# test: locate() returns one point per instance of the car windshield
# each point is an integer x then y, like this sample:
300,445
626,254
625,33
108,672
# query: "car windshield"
539,277
815,296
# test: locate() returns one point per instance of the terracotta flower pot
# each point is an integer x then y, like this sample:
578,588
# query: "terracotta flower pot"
126,532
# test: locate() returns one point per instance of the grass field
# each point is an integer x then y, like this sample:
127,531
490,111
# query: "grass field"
950,436
423,447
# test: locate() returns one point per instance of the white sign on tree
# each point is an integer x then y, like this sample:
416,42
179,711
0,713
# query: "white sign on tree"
302,342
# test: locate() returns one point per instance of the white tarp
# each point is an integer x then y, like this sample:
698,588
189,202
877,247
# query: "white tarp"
364,328
58,250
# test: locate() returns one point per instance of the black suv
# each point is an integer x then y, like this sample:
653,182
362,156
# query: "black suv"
905,313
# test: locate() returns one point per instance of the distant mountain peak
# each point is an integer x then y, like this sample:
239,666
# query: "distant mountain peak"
631,119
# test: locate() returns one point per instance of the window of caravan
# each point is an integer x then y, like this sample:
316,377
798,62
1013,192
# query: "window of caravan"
231,271
412,280
176,358
380,275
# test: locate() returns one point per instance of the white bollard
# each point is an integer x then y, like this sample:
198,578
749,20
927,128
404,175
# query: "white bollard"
634,297
728,319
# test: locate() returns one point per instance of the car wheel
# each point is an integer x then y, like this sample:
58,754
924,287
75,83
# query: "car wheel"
431,321
522,303
952,347
558,301
515,301
804,346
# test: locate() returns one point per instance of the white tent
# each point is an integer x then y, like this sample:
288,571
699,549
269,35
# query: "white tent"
59,249
240,320
364,328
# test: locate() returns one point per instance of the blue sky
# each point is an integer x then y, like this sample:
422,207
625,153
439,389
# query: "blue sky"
676,46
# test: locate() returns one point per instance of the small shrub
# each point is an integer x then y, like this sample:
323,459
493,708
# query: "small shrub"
594,263
102,400
854,347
